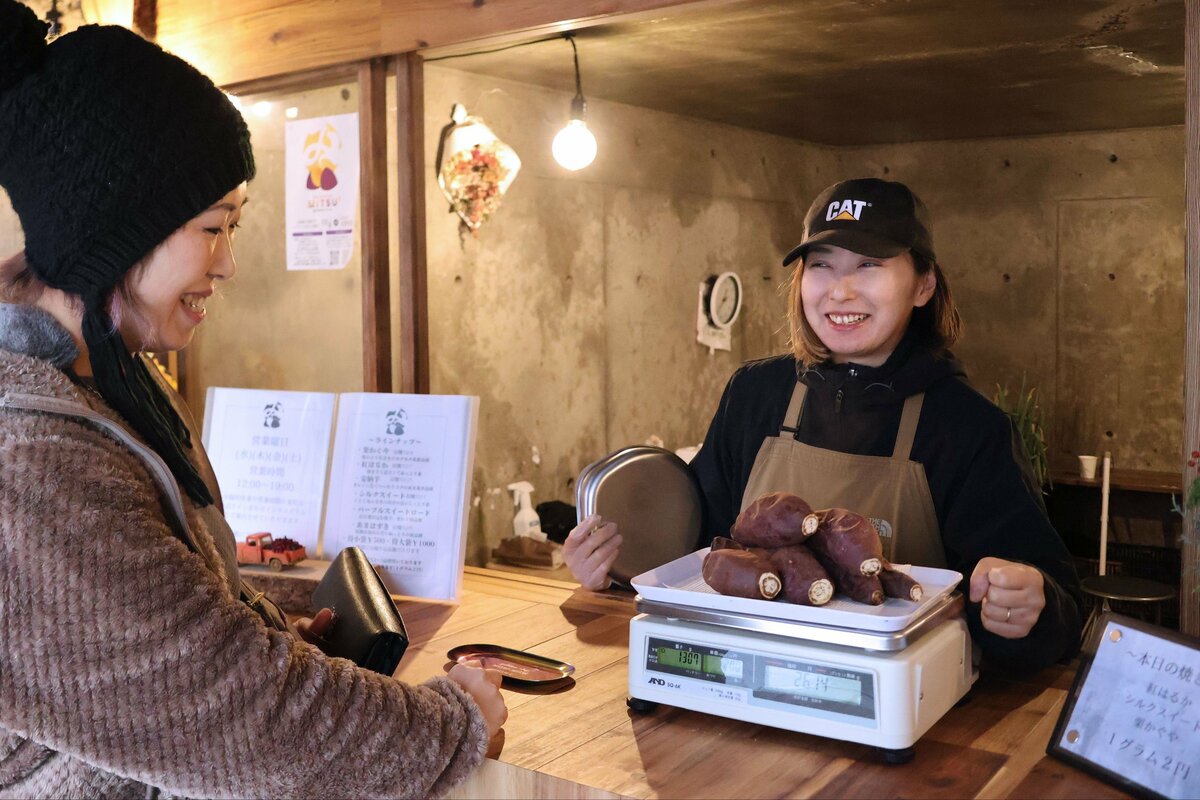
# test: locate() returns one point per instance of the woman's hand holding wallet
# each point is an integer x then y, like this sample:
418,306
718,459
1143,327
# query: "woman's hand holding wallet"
313,630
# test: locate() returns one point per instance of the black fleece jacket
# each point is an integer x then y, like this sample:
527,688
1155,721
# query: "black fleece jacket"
984,493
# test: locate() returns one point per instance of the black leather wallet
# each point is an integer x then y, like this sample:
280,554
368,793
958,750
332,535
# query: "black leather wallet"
367,628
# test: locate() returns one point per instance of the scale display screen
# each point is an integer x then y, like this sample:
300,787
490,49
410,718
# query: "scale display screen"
715,665
792,682
834,688
695,661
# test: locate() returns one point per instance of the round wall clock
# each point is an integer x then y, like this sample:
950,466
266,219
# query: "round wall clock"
724,299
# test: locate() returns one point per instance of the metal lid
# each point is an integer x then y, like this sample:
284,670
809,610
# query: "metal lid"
653,497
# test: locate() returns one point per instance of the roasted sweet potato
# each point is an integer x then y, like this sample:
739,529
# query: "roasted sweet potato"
773,520
724,543
853,584
896,584
805,581
846,538
741,573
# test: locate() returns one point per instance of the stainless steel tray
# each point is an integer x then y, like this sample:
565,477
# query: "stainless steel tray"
515,666
652,496
947,607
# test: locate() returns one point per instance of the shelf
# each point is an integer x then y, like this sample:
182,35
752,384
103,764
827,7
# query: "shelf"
1130,480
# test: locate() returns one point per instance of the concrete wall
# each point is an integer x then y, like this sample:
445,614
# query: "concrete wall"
572,312
1066,255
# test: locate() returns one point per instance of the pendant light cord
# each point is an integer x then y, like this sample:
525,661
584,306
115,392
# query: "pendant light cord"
570,37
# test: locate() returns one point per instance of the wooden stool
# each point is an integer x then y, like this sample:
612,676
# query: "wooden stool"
1125,589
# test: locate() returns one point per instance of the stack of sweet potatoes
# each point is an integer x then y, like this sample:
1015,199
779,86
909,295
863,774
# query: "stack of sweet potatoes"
781,547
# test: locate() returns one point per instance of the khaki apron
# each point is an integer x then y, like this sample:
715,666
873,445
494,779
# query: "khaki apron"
891,491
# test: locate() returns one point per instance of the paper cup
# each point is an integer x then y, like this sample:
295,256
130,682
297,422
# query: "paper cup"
1087,467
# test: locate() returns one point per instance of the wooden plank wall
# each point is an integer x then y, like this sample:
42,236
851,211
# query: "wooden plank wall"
236,42
1189,589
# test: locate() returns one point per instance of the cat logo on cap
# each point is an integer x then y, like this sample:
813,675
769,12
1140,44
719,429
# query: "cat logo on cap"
847,210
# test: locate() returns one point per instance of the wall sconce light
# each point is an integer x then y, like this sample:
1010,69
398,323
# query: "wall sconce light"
574,146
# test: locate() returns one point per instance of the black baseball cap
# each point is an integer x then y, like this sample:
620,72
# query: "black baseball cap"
869,216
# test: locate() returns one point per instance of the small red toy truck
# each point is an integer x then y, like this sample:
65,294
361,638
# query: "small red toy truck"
262,548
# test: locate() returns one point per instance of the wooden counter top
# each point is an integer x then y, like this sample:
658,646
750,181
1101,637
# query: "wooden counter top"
583,735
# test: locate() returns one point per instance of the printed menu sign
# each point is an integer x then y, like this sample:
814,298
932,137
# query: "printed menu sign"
1133,715
269,450
399,485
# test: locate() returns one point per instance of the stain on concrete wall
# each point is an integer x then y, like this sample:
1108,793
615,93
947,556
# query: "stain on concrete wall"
1116,286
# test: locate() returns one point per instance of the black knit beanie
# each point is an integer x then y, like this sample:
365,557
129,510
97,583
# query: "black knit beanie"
108,145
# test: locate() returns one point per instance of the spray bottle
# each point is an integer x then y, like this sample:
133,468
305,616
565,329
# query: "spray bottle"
526,522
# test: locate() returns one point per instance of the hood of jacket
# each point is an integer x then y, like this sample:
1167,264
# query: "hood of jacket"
33,332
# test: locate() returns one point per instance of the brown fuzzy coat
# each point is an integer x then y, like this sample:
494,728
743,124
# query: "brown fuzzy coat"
127,665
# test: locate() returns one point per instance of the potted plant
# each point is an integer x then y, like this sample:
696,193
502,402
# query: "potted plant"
1188,506
1027,416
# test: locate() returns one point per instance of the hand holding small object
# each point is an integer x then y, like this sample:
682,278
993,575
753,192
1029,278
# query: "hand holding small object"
313,630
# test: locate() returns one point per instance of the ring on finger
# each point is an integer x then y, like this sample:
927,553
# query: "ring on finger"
1008,615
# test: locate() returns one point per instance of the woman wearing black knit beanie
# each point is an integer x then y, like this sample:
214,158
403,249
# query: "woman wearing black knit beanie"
128,661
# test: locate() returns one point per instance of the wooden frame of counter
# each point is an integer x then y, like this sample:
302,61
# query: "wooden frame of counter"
260,45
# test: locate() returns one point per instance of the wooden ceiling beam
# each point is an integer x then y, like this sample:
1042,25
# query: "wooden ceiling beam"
253,39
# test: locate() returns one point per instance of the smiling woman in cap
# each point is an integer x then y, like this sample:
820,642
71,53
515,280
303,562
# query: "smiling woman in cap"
871,412
129,663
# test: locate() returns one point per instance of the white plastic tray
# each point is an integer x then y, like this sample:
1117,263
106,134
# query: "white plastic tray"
680,582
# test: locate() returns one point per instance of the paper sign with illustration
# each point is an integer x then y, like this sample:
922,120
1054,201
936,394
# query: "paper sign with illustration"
321,189
270,450
399,486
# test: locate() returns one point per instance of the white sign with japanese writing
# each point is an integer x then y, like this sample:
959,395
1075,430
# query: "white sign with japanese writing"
270,450
1135,716
321,190
399,487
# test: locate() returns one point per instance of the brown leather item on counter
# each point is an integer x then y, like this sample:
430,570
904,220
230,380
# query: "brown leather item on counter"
524,551
367,627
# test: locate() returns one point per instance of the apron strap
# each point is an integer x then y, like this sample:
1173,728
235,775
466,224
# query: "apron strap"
908,425
794,409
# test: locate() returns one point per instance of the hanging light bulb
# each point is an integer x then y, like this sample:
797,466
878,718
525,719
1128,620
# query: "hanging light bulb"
574,147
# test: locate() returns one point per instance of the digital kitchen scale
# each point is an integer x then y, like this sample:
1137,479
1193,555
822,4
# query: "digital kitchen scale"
883,680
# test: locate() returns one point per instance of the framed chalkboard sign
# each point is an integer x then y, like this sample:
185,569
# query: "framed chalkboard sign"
1133,715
